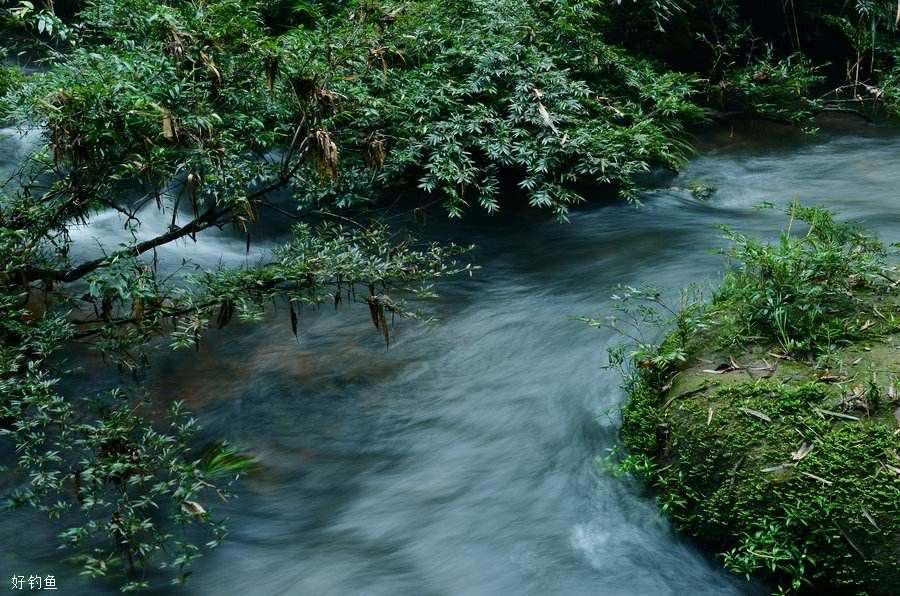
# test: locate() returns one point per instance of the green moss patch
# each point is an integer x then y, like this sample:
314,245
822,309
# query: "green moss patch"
787,475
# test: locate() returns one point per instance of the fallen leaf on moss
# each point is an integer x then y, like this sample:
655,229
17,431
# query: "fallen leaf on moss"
819,478
756,413
824,413
804,450
869,517
778,468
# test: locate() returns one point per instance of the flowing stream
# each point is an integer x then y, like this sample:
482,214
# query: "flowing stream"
464,459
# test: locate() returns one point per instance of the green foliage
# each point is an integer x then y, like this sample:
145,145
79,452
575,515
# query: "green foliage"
811,292
10,78
638,311
776,89
468,100
24,16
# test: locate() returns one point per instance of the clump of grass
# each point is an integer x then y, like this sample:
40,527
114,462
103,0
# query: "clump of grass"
810,293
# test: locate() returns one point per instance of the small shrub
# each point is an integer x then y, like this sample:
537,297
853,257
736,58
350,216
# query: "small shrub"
806,292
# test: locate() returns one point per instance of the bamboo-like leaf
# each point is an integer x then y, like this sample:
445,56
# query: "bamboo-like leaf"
824,413
802,452
755,413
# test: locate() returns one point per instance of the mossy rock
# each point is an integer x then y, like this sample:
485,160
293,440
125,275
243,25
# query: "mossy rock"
791,472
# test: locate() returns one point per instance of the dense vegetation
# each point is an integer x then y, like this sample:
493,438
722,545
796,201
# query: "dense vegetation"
218,114
767,419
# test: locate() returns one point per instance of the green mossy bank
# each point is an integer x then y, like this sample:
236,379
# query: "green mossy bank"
786,462
776,469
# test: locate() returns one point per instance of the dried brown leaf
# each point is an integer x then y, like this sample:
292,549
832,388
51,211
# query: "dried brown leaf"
193,508
545,116
168,126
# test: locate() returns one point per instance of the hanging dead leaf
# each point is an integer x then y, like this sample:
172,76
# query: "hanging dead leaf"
373,311
193,508
271,72
168,125
211,65
175,47
294,321
375,152
325,154
304,87
545,116
327,101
